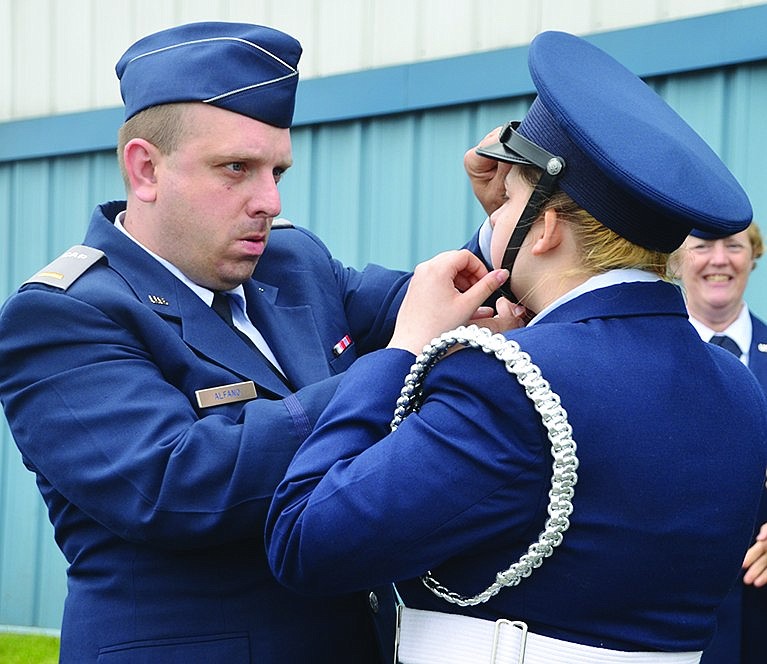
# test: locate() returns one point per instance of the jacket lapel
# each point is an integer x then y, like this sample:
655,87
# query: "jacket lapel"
204,331
197,323
757,354
291,333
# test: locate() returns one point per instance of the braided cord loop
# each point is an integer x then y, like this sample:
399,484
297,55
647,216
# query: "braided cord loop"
560,435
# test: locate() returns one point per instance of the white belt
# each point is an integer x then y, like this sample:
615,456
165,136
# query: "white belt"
429,637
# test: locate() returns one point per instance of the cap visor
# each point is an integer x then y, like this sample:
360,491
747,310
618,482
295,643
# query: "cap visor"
500,152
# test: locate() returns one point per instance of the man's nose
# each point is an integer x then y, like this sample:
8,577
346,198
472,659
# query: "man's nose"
265,197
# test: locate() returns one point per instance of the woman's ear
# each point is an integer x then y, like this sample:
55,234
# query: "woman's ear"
140,158
548,234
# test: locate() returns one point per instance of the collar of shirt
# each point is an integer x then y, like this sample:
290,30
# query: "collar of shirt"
239,315
610,278
593,283
203,293
740,331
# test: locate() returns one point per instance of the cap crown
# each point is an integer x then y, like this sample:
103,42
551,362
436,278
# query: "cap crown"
248,69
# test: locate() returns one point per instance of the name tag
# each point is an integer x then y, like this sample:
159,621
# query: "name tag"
217,396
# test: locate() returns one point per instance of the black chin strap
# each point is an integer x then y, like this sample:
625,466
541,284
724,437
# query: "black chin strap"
542,193
521,150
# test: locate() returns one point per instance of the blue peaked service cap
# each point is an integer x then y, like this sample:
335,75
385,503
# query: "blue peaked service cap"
247,69
630,159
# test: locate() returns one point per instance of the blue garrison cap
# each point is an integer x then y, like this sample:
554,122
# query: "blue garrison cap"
248,69
630,159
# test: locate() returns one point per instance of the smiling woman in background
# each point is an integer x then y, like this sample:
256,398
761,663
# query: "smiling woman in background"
714,272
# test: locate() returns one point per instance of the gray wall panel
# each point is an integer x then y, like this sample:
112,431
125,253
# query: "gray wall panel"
726,107
44,209
57,56
20,549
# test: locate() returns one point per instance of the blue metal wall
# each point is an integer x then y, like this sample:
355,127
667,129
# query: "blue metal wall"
378,174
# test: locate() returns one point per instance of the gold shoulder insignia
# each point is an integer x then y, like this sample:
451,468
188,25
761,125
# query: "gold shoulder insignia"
63,271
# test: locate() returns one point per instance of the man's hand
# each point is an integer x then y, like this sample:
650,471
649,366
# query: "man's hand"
507,316
487,175
445,292
755,562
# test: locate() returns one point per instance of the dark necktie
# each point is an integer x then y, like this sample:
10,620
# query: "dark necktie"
725,342
222,306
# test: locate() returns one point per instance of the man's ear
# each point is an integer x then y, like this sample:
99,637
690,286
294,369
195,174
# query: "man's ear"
547,233
140,158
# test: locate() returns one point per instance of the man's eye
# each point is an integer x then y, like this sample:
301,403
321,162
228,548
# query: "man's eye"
236,167
278,173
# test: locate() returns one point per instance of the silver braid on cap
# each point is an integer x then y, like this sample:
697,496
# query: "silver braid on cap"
560,434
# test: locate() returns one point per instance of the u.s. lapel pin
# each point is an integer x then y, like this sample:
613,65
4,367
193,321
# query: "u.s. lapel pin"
762,348
156,299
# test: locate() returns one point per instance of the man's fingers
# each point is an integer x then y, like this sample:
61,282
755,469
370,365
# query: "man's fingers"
487,285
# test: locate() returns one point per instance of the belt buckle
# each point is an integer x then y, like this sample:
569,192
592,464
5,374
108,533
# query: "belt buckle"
504,622
400,607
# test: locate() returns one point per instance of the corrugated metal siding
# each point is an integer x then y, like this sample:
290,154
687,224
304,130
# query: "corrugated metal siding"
43,210
726,106
393,190
56,57
390,190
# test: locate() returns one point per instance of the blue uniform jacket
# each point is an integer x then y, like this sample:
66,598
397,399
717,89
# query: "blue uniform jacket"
672,443
742,618
159,504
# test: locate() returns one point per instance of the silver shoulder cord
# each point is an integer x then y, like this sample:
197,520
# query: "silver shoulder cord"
554,418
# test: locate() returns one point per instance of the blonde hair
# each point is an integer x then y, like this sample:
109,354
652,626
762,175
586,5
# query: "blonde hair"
602,249
163,126
755,238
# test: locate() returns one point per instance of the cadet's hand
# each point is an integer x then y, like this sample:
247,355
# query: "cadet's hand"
507,316
487,175
444,292
755,562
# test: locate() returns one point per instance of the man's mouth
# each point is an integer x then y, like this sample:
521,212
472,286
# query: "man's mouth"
253,244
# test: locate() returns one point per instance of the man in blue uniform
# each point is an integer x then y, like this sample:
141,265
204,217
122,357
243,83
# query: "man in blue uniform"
158,378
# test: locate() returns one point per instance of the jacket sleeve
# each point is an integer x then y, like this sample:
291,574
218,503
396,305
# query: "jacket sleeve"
371,296
99,405
361,505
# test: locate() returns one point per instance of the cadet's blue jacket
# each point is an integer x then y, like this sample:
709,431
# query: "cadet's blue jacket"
672,442
157,503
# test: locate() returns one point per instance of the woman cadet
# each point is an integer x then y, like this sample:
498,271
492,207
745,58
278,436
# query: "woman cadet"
445,493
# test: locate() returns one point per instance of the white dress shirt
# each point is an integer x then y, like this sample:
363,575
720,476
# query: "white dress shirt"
740,331
239,317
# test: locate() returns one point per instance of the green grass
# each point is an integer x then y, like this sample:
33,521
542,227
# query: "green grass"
28,649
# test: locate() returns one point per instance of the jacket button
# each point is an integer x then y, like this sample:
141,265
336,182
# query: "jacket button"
373,601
